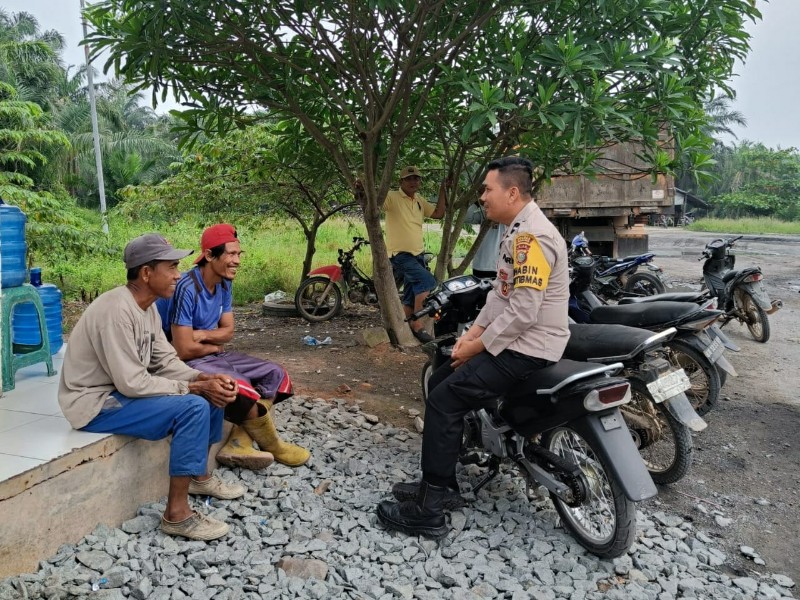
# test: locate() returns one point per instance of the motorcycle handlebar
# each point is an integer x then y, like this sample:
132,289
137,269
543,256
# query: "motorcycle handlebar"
425,311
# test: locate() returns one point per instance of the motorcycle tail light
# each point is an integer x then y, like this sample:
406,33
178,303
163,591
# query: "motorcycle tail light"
753,277
607,397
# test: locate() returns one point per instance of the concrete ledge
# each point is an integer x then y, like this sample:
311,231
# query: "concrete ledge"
66,498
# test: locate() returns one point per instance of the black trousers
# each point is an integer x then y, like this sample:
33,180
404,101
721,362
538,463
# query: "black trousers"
455,392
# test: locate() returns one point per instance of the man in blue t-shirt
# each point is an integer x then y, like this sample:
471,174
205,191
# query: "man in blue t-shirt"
198,320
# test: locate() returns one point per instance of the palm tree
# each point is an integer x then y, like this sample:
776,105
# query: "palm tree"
29,58
135,144
721,117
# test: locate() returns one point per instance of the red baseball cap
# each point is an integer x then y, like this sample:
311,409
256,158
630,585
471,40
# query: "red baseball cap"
214,236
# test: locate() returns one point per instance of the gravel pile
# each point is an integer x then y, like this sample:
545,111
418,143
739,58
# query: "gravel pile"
312,533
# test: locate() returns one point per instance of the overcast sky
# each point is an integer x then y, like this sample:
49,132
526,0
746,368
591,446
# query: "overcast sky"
767,86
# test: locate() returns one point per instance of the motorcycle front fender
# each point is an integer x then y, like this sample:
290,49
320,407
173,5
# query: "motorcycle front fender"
608,435
333,272
680,408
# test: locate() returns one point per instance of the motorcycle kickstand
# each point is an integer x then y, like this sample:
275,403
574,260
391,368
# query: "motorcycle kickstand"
494,469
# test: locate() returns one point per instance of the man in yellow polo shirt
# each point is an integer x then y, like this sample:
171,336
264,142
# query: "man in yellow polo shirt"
405,212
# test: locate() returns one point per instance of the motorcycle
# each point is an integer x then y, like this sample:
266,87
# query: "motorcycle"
659,416
562,429
692,349
320,296
740,294
616,278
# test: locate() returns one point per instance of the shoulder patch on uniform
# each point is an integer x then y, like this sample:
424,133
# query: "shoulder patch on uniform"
531,268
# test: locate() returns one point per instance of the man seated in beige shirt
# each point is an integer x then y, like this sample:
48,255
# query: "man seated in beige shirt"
121,375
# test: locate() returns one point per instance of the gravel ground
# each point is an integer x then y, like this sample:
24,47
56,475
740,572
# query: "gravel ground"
312,533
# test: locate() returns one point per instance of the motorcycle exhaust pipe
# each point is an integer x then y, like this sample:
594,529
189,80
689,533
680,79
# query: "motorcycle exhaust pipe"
776,306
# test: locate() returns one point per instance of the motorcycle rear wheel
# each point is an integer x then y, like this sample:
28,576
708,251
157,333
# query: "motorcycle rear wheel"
644,284
756,318
318,299
605,522
667,453
702,373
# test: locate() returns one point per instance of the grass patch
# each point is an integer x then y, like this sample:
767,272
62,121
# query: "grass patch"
749,225
273,256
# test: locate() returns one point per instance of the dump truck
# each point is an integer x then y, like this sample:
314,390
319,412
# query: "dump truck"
612,207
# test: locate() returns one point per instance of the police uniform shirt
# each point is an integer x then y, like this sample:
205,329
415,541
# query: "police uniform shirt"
526,311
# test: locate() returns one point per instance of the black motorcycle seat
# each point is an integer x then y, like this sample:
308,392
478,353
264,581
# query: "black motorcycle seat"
648,314
673,297
545,379
588,340
729,275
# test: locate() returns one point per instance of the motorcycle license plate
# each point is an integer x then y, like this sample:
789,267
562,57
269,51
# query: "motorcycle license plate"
714,350
669,385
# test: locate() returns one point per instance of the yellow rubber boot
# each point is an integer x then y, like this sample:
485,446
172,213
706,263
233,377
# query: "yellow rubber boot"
262,430
239,452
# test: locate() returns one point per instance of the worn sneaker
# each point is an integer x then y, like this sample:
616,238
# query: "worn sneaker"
216,488
197,527
451,499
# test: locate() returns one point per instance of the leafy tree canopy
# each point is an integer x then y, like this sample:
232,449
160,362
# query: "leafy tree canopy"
753,180
551,80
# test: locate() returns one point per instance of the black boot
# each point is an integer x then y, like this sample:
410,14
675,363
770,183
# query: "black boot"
453,500
423,516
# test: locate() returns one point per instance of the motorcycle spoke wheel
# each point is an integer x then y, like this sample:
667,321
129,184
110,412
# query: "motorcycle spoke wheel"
644,284
605,521
702,374
664,444
755,317
318,299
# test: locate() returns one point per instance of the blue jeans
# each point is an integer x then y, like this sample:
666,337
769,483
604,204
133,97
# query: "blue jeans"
416,278
193,422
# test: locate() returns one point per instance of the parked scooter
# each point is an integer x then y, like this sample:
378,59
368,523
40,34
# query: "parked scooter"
562,429
320,296
740,294
691,349
615,278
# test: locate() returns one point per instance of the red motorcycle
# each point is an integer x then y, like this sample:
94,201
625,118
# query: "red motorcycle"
321,294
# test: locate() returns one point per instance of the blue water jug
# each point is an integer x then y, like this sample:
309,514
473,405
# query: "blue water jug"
13,247
25,322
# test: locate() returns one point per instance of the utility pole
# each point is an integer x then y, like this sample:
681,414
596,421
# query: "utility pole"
98,159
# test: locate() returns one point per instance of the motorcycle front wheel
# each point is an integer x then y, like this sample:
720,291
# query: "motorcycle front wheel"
755,317
702,374
427,371
605,521
318,299
644,284
664,444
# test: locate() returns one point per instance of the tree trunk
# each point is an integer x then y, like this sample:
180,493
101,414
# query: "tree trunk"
311,247
391,308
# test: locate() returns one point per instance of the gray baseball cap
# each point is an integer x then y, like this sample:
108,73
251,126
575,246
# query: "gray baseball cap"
151,246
